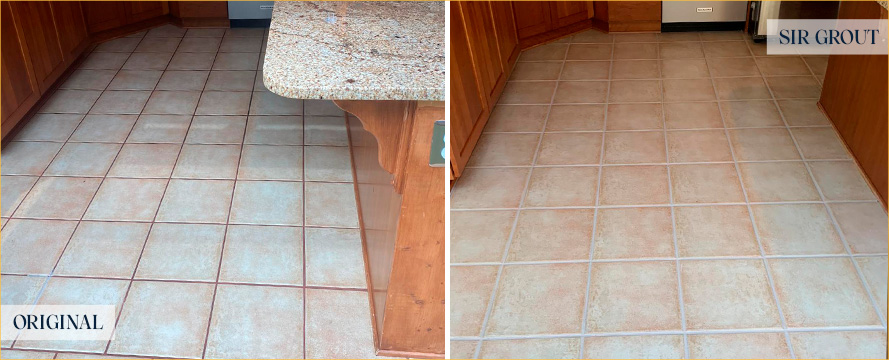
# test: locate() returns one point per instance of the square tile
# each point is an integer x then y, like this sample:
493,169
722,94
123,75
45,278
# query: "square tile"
635,69
684,68
744,345
863,226
322,108
841,299
782,65
841,180
520,92
231,81
585,70
172,102
635,147
627,233
623,91
199,44
741,88
329,204
342,315
536,71
504,149
70,102
182,252
688,90
201,201
635,117
21,290
570,149
874,269
163,319
692,115
539,299
223,103
728,294
241,44
271,203
751,113
516,118
562,186
104,61
635,51
633,296
722,35
335,257
28,158
818,64
471,288
263,162
104,249
489,188
803,112
574,92
820,143
634,185
734,66
121,102
236,61
328,163
800,229
680,50
190,80
216,130
546,52
763,144
59,198
726,49
552,235
85,79
160,129
145,161
479,236
263,255
839,344
244,32
208,162
127,199
192,61
34,246
104,128
274,130
698,146
325,130
166,30
570,117
781,181
707,231
706,183
592,36
587,52
158,45
634,347
635,38
121,45
14,190
49,127
794,87
271,332
554,348
148,61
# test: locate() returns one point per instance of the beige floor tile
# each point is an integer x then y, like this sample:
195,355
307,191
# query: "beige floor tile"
570,149
837,344
698,146
281,203
88,356
199,44
21,290
635,51
539,299
742,88
750,113
127,200
322,108
263,255
203,201
192,61
626,233
167,30
721,35
104,128
863,226
553,51
158,45
104,61
274,130
679,36
340,315
692,115
471,288
273,329
241,44
592,36
585,70
725,49
269,103
742,346
782,65
224,103
325,130
841,180
573,92
49,127
575,118
217,130
802,112
264,162
236,61
505,149
207,162
734,66
624,91
634,347
83,159
634,185
135,80
781,181
85,79
14,190
536,71
794,87
335,257
34,246
818,64
59,198
728,294
549,235
517,118
874,269
558,348
589,52
820,143
635,37
489,188
163,319
479,236
191,80
821,292
684,68
104,249
763,144
520,92
635,147
635,117
688,90
123,45
120,102
706,183
244,32
160,129
715,231
182,252
796,229
562,186
635,69
149,61
633,296
681,50
329,204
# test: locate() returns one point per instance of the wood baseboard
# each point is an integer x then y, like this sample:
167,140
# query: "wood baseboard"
559,33
131,28
202,22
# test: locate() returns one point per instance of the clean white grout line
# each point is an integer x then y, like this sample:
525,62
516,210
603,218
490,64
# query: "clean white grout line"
675,205
660,163
695,258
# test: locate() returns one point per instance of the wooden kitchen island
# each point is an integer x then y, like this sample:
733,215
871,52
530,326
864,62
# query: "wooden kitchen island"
383,63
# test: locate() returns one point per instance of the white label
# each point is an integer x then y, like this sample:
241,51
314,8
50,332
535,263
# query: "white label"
827,37
57,322
266,7
710,10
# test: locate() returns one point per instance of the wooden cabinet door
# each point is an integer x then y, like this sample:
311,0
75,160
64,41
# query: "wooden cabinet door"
39,32
467,106
479,25
19,88
103,15
504,24
137,11
568,12
532,18
71,26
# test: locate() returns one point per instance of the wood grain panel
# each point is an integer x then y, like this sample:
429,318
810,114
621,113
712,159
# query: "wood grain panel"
532,17
39,32
71,26
565,13
200,13
627,16
483,47
142,10
19,87
468,106
103,15
506,35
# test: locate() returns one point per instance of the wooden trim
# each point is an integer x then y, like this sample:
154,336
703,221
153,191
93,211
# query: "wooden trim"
197,22
131,28
410,354
559,33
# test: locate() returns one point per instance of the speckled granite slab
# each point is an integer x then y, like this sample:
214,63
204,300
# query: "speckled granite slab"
356,50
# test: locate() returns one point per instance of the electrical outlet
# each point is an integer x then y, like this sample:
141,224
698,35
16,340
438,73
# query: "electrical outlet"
705,10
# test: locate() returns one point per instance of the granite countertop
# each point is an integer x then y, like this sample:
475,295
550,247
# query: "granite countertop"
356,50
884,4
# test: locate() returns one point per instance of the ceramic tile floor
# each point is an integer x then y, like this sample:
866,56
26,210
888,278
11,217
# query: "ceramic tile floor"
665,195
220,218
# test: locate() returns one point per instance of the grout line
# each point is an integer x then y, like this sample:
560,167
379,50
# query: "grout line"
662,163
675,205
304,220
695,258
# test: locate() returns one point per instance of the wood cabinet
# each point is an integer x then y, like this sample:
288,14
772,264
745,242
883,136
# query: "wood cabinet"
627,16
74,39
19,87
39,32
541,21
106,15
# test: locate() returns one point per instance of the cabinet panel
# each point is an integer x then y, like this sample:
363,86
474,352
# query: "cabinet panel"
532,17
103,15
39,32
137,11
483,46
71,26
19,88
504,24
568,12
466,102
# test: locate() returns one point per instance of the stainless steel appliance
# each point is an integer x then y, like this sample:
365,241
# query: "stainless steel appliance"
761,11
